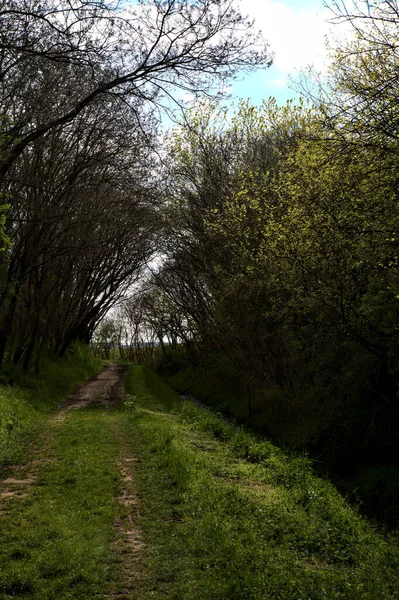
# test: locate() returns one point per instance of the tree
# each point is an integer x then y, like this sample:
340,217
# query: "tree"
80,86
204,277
314,250
83,226
146,52
105,339
283,257
360,97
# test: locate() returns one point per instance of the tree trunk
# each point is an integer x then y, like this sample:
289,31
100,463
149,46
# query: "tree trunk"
6,328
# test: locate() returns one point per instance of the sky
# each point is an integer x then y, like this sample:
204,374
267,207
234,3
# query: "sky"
296,31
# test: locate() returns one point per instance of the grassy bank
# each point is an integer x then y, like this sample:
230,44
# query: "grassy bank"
371,483
65,521
26,399
227,516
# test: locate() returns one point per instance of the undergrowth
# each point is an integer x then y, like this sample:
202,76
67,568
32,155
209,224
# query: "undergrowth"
371,484
231,516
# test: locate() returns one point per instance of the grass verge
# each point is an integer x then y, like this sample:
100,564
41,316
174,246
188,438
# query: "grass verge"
227,516
66,511
27,399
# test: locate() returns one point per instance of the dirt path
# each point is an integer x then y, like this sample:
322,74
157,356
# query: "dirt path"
76,498
106,387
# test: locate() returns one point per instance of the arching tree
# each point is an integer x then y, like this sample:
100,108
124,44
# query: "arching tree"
153,50
81,87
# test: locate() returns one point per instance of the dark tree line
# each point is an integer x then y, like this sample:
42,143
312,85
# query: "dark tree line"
81,89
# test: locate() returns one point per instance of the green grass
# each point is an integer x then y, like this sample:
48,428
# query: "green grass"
223,515
24,404
228,516
58,377
62,523
55,540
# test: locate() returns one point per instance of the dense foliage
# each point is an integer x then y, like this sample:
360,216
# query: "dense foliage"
280,275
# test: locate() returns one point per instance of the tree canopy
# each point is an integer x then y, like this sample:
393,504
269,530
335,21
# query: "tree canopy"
82,85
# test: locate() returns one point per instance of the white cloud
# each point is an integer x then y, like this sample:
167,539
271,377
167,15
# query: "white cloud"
185,97
297,36
278,83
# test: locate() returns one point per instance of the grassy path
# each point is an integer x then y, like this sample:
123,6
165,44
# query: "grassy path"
56,533
159,499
